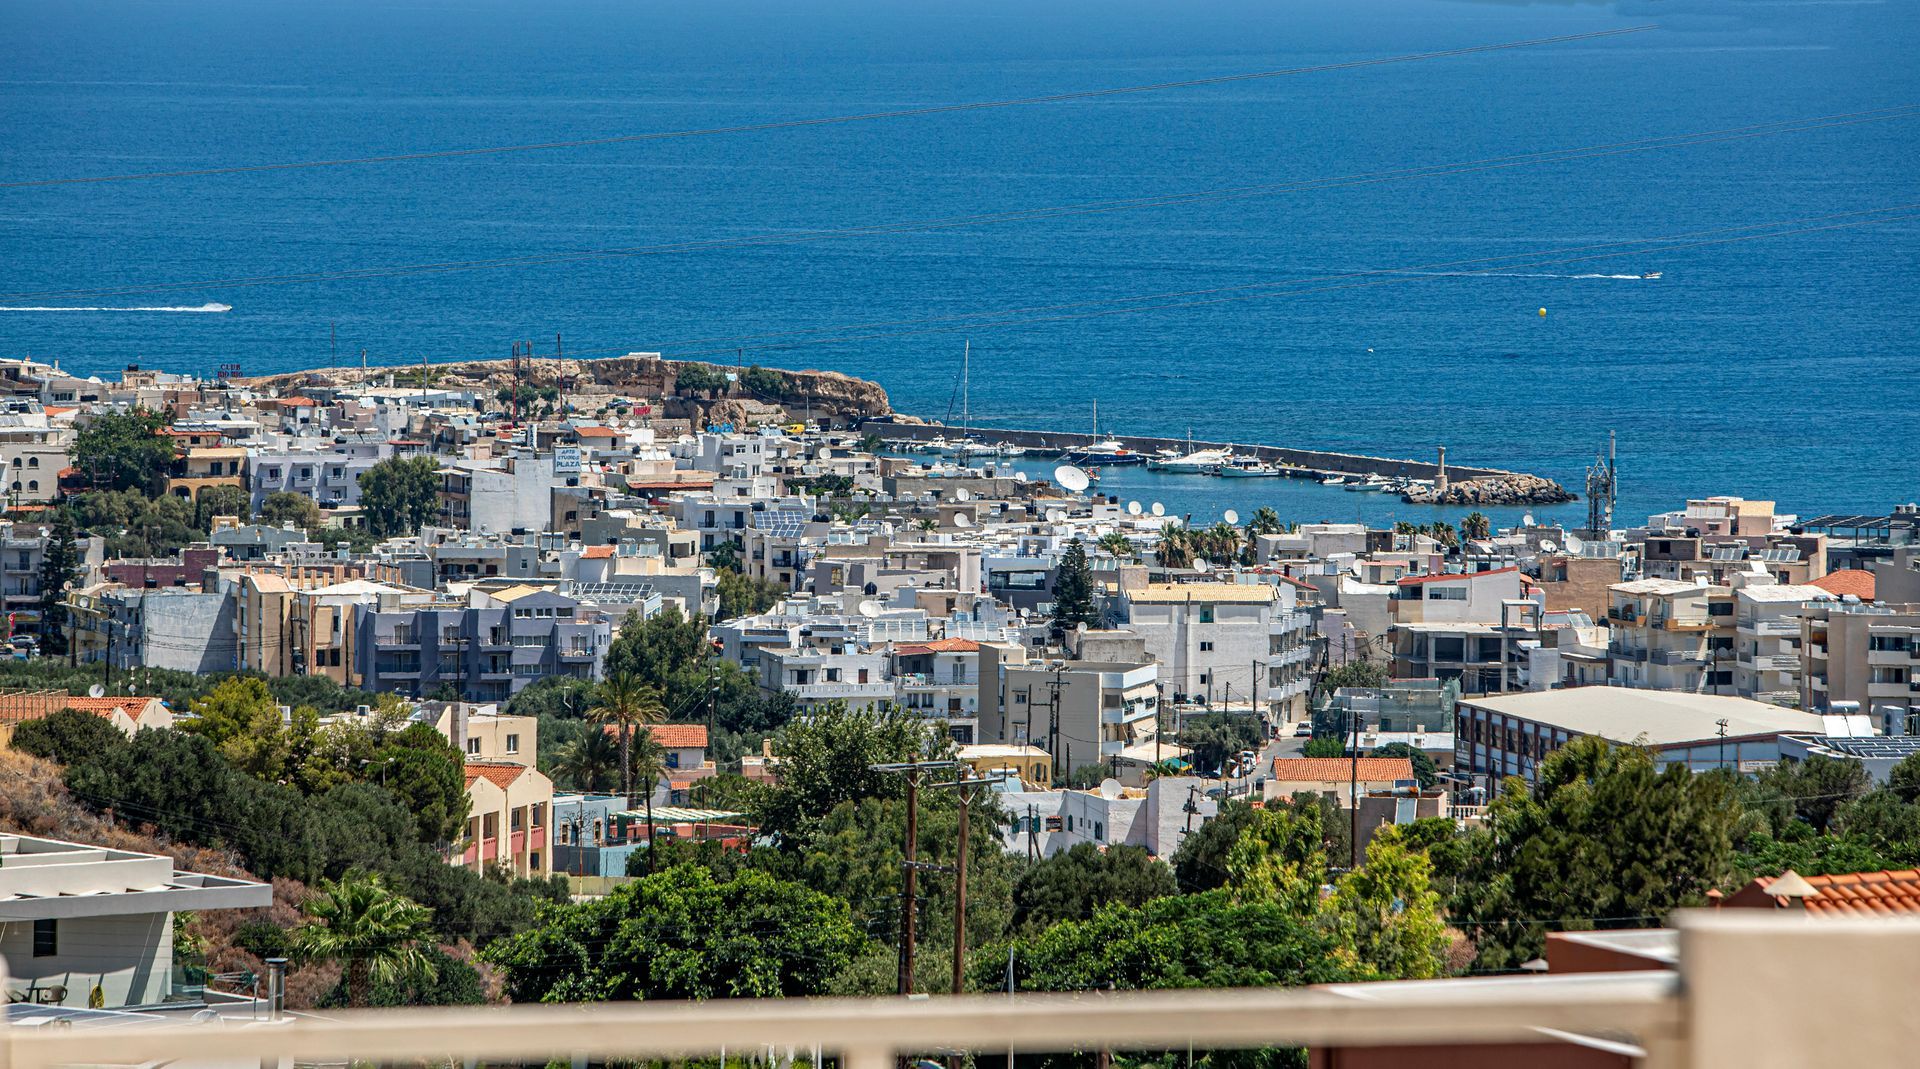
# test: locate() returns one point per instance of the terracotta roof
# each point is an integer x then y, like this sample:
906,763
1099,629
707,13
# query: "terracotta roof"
595,432
1414,579
500,775
942,645
105,706
1331,769
1846,581
671,736
298,402
1857,893
597,552
60,410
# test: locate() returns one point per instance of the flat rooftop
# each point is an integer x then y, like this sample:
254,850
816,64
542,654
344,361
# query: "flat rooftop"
1652,717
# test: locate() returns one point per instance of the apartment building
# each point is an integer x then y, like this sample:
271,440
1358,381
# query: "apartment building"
940,680
328,473
1864,654
1250,642
484,652
817,674
508,819
1671,634
1083,712
92,926
1768,649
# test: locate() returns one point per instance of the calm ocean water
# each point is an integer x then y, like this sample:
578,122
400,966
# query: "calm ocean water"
1784,368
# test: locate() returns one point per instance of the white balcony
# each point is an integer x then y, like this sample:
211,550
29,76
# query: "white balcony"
880,691
1750,988
1777,627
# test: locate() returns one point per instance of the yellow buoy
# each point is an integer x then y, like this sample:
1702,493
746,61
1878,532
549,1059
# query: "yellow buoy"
1543,311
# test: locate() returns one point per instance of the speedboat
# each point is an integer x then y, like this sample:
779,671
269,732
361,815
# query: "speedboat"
1246,468
1368,483
1650,275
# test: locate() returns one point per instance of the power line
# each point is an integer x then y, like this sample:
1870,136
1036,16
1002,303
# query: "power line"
833,120
1439,170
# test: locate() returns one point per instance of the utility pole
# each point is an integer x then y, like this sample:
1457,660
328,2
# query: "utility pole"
1192,807
909,866
1353,797
1053,721
964,790
1722,732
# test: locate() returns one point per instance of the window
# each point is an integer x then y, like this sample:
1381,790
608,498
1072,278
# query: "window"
1437,592
1206,647
1099,831
1069,823
473,747
46,938
513,744
533,860
1719,608
516,819
1206,614
33,484
33,462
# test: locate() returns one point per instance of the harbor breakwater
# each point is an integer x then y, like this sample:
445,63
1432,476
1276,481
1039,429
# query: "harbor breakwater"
1466,483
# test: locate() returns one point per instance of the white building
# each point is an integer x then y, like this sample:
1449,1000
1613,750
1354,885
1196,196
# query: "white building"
1769,658
80,918
1225,642
1155,817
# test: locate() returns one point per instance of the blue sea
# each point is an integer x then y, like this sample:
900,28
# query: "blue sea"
1783,368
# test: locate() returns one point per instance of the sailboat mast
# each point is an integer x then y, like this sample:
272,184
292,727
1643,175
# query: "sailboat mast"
966,386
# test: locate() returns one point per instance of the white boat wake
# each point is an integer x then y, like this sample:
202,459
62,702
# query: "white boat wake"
1513,274
203,308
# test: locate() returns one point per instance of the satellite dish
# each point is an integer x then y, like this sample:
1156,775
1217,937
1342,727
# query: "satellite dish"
1134,509
1546,545
1159,509
1230,516
869,609
1527,519
1071,479
961,519
1056,515
1574,545
963,494
96,691
1111,790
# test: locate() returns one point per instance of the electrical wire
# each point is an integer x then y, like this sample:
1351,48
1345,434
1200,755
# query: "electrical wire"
833,120
1224,193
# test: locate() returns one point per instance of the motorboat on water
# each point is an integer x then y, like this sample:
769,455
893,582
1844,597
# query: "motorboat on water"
1106,453
1371,483
1246,468
1649,275
1194,463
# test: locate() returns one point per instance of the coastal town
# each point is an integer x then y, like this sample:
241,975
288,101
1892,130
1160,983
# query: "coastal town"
494,665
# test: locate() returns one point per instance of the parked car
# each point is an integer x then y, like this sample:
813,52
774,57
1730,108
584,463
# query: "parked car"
1303,730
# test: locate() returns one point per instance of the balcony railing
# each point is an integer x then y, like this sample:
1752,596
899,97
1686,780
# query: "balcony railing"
1839,998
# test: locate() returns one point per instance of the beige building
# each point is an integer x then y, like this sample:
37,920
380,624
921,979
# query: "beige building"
1768,650
1335,777
1868,654
1032,764
1085,712
1670,634
509,807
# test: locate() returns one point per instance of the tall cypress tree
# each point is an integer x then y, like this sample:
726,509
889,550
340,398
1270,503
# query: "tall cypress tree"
59,564
1073,590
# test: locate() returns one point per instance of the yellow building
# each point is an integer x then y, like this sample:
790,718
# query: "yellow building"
1031,763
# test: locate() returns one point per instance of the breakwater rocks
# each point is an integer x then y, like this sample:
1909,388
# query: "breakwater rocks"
1492,490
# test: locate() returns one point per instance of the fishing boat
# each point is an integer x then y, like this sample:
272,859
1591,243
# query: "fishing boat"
1649,275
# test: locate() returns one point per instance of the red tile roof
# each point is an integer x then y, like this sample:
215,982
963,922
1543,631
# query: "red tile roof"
1438,576
597,552
1859,893
1331,769
500,775
595,432
298,402
942,645
671,736
1847,581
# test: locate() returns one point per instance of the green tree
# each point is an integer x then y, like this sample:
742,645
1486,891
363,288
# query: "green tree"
400,495
237,707
698,378
1175,548
1074,590
375,933
67,736
1814,789
426,772
214,501
672,653
1324,746
828,759
1423,767
1389,912
624,703
59,569
590,763
1116,545
449,981
647,767
125,451
1200,863
287,508
1071,884
1476,527
1215,737
1265,521
1602,839
681,934
742,595
1358,674
765,382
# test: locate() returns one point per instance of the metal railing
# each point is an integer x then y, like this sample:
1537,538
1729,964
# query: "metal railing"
1750,988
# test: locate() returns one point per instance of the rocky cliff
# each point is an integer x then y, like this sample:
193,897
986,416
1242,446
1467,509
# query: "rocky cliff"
819,394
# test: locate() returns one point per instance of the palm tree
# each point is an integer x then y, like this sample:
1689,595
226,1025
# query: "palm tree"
1223,542
378,934
589,763
1476,527
1116,544
928,524
1265,522
649,764
1176,547
626,703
